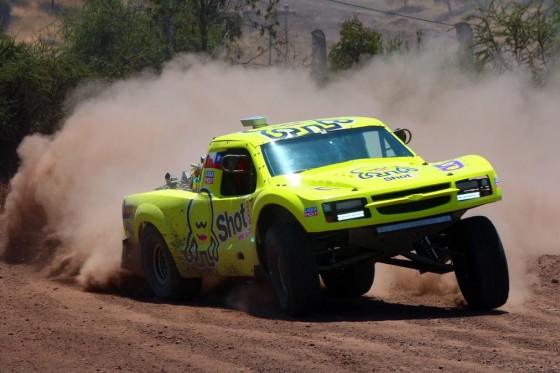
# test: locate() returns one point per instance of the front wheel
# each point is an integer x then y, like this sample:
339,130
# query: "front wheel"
292,269
482,271
161,273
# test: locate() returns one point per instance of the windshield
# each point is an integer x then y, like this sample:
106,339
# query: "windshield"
306,152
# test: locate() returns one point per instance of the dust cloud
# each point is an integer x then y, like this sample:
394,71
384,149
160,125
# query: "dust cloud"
122,138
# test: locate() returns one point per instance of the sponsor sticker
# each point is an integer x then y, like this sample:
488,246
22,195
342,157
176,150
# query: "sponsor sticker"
448,166
385,173
309,212
467,196
290,130
209,179
497,181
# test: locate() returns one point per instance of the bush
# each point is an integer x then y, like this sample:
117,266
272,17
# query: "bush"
356,42
111,39
33,85
510,35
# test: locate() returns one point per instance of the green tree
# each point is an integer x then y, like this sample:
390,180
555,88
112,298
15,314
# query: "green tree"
205,25
263,17
510,35
356,42
114,38
198,25
111,38
33,85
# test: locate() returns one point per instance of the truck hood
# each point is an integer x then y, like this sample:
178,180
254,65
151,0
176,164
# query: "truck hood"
379,176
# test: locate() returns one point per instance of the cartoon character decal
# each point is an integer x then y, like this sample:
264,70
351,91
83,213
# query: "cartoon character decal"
208,229
202,244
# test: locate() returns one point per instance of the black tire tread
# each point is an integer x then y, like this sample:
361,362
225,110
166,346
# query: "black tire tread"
302,278
484,281
176,288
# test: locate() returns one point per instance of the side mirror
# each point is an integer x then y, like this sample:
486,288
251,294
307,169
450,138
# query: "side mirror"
234,163
403,134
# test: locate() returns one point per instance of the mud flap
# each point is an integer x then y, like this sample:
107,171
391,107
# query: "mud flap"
131,259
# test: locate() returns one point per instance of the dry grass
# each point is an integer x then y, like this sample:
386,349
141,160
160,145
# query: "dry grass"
32,19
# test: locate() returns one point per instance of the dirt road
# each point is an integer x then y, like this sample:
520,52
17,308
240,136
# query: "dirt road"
51,326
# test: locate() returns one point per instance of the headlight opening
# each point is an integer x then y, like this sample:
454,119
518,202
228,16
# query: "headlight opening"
473,188
345,210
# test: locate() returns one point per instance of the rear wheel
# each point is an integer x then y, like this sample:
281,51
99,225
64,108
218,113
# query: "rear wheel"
350,282
292,270
161,273
482,271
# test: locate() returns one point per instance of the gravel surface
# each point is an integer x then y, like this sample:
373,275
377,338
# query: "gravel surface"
48,325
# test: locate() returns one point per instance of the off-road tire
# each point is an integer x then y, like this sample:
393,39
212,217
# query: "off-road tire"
160,270
483,271
292,270
350,282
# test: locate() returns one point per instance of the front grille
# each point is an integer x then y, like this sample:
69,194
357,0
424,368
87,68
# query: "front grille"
403,208
408,192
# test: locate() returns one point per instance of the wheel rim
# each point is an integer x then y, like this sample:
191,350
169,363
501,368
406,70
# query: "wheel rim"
161,269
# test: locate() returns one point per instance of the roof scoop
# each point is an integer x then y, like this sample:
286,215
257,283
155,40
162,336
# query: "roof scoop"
255,122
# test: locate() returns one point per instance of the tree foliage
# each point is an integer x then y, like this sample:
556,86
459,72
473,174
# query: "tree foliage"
511,35
114,38
33,84
197,25
108,40
356,43
210,25
111,38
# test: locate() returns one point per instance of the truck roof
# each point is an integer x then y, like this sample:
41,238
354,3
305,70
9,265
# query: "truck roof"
259,135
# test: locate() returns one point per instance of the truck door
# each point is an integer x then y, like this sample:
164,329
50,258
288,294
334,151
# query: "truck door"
219,218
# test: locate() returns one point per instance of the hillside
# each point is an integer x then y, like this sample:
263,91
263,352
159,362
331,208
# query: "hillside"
37,18
31,19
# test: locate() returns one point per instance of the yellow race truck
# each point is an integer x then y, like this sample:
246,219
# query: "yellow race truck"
317,201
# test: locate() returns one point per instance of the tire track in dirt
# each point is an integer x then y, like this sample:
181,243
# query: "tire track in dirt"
53,326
